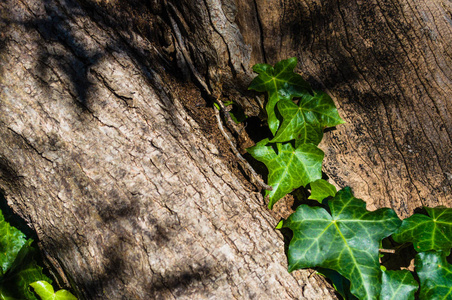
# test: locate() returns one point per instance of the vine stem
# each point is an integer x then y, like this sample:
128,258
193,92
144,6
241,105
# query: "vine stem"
387,251
256,178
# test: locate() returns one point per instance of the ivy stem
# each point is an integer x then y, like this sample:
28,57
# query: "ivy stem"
254,176
387,251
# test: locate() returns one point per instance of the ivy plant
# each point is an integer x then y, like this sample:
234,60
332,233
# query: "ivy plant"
19,270
340,237
432,232
289,167
435,275
346,233
46,292
291,156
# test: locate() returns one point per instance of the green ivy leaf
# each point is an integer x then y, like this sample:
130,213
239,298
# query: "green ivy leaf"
435,275
288,168
46,292
323,107
298,124
280,82
24,270
398,285
321,189
432,232
347,240
11,241
305,122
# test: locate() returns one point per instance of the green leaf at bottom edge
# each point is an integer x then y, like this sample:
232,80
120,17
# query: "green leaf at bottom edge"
11,241
46,292
24,270
347,240
435,275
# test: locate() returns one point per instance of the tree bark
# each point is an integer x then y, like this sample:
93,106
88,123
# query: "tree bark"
128,197
388,66
132,199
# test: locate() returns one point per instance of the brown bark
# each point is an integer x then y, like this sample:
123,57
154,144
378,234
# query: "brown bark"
128,196
387,64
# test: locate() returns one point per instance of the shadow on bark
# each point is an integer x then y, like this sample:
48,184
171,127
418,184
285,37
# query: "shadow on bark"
321,34
62,47
62,53
175,282
115,268
7,172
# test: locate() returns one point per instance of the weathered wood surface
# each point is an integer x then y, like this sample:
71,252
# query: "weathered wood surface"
127,194
387,64
128,197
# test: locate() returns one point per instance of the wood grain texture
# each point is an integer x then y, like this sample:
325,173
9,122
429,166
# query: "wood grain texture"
128,198
388,66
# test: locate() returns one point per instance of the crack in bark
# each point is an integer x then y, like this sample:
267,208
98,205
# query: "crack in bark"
29,144
261,32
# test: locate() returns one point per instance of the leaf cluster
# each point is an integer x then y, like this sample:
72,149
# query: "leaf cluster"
19,268
343,239
340,237
297,117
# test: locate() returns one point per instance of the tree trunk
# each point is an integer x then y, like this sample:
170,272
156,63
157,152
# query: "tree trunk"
388,65
129,199
133,199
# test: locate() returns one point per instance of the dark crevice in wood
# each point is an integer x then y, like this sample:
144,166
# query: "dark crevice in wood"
261,32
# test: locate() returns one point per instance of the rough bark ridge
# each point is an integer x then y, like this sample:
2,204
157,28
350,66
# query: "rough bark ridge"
128,198
100,158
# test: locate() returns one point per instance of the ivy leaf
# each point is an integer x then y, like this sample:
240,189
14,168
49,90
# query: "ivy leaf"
298,124
321,189
24,271
398,285
323,107
280,82
435,275
432,232
288,168
347,240
45,292
11,241
305,122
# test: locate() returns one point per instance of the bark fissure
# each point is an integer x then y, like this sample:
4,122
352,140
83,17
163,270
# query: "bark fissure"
133,198
400,152
261,32
29,144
